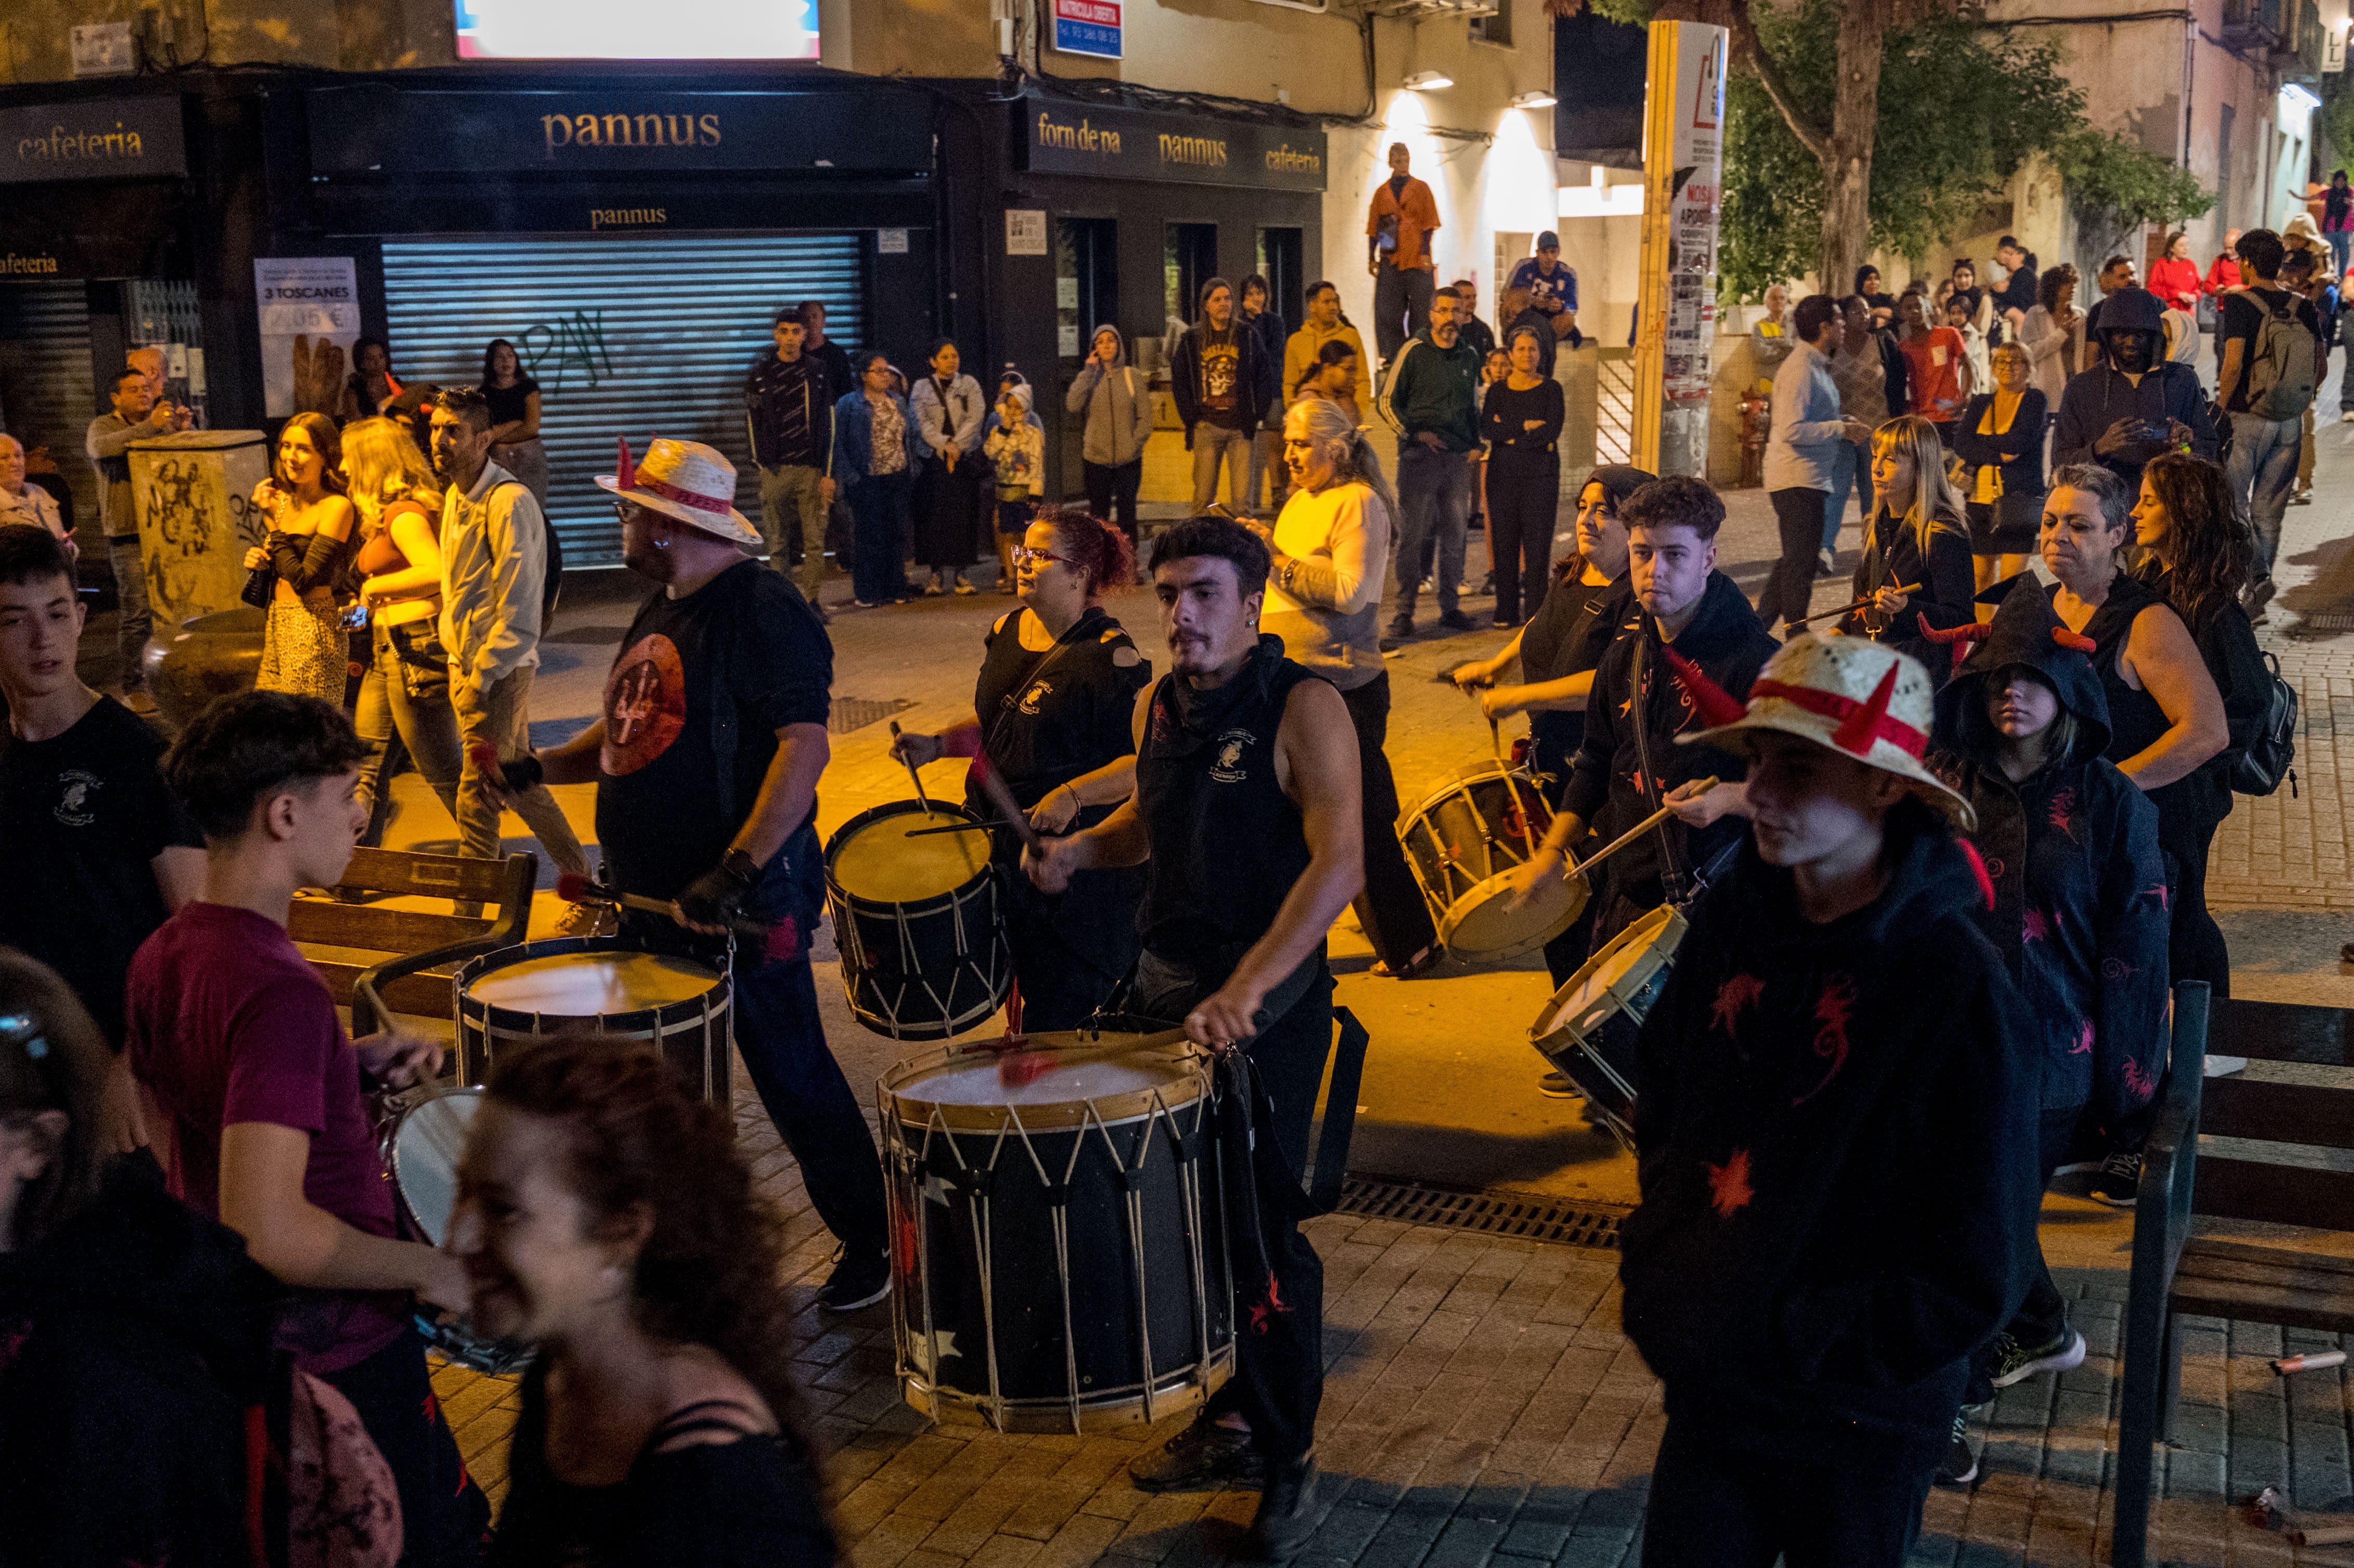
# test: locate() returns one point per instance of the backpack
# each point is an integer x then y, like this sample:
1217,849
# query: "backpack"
2268,753
2280,371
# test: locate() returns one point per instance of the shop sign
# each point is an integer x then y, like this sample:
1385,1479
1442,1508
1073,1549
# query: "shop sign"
1063,138
1088,28
97,139
390,131
29,264
310,311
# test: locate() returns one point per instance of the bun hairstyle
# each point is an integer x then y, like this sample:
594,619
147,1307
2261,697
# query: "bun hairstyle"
1103,555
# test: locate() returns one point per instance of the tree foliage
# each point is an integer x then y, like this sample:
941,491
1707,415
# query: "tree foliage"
2115,186
1962,106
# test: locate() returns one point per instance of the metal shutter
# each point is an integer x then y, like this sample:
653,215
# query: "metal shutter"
46,396
637,336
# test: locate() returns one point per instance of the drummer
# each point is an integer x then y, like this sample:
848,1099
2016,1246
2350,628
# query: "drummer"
1056,706
1589,603
706,761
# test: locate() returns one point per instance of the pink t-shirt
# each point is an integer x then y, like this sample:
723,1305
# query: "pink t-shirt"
227,1023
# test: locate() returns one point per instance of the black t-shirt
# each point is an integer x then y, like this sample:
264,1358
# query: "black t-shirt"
508,404
83,815
723,669
2243,317
1565,637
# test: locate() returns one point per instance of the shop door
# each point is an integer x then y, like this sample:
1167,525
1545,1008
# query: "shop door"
1281,253
1087,296
46,385
638,337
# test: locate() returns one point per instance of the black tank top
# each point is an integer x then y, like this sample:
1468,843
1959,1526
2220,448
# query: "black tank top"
2136,721
1226,841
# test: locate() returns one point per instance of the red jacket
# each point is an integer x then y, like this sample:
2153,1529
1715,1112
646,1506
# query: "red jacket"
2177,283
2224,274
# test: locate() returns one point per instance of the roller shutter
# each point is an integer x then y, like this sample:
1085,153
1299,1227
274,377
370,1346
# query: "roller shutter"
46,393
637,336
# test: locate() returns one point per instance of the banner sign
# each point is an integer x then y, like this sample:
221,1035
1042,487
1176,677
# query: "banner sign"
97,139
310,310
1064,138
1088,28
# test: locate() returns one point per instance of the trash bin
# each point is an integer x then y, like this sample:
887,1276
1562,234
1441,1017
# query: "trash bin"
193,490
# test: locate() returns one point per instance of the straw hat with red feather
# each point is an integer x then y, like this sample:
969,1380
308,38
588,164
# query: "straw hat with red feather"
1849,694
685,479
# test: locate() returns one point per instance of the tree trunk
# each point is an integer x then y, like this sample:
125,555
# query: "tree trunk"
1847,158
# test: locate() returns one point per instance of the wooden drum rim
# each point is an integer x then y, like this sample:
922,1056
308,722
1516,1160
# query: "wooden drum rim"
1184,1089
494,1015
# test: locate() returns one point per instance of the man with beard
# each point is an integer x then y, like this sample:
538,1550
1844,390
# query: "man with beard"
2132,406
1245,815
706,761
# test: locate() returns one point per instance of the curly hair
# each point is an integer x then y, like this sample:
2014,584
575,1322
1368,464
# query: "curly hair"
2209,550
709,1272
1104,554
2055,280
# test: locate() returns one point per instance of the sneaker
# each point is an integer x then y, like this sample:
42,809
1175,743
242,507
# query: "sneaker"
933,589
864,603
1207,1456
1826,564
2015,1363
2347,418
1455,620
2119,1183
1286,1512
1557,1087
855,1282
1402,626
963,587
1959,1467
2256,595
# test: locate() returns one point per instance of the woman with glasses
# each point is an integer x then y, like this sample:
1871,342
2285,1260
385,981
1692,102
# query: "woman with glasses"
1056,715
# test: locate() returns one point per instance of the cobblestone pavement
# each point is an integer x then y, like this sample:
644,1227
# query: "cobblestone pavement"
1482,1405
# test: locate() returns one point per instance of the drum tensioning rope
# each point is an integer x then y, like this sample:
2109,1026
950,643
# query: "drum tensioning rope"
778,941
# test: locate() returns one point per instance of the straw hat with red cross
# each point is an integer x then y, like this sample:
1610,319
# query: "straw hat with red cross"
684,480
1851,695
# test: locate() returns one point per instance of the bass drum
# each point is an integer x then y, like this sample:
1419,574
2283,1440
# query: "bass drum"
422,1132
1587,1031
599,985
918,921
1059,1238
1462,840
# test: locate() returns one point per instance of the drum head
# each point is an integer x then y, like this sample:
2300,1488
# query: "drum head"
1050,1081
872,857
425,1145
1479,926
591,984
1613,977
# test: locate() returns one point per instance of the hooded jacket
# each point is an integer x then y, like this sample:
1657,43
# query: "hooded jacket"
2096,398
133,1340
1605,787
2080,901
1300,358
1117,403
1017,450
1839,1181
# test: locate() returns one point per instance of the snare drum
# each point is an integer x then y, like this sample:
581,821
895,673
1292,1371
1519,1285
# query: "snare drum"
918,921
1059,1242
1587,1030
1466,835
422,1132
600,985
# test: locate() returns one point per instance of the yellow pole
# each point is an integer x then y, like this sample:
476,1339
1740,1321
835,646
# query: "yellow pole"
1651,290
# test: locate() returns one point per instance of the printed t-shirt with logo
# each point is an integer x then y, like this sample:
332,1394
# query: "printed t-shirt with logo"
1222,377
1935,361
83,815
743,650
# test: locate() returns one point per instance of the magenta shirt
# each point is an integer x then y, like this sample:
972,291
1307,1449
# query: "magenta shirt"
228,1023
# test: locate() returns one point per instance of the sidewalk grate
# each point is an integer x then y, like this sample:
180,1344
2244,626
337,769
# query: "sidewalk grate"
1496,1213
856,713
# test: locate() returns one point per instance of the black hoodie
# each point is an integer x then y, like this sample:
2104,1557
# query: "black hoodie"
1606,785
2080,913
1835,1140
133,1342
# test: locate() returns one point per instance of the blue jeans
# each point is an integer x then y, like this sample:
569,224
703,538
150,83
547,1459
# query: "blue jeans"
878,525
2263,472
2341,246
1434,490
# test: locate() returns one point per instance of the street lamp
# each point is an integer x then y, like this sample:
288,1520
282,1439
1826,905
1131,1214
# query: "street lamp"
1428,81
1535,97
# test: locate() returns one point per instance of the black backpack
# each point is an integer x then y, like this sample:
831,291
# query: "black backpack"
2268,753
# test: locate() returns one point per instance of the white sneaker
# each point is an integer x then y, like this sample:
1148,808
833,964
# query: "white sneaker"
2347,418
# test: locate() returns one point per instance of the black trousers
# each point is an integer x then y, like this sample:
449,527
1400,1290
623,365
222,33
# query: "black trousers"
444,1515
1112,489
1716,1504
1278,1381
1798,518
2044,1313
1391,909
2189,813
1523,497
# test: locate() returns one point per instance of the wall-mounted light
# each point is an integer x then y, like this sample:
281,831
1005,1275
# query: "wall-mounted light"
1535,97
1428,81
2294,92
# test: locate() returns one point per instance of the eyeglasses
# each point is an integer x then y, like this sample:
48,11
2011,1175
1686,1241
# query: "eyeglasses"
1024,556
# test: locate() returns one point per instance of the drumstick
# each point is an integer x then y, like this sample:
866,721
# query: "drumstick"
1001,797
956,828
779,942
1864,603
913,777
1495,740
1637,831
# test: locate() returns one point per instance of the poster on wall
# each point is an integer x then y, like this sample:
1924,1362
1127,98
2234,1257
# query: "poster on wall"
629,30
1682,209
310,310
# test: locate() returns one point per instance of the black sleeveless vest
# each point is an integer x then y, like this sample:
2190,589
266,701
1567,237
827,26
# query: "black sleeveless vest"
1226,841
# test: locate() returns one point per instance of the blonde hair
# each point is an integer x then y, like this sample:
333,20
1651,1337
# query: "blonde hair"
1934,503
381,458
1353,456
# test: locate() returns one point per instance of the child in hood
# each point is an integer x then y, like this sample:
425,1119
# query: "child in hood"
1834,1133
1016,443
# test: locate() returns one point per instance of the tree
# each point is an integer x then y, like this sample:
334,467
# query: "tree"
2116,185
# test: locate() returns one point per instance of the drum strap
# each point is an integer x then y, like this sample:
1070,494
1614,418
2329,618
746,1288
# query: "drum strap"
1005,710
1671,872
